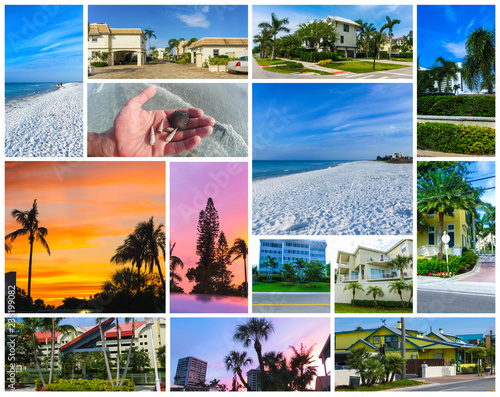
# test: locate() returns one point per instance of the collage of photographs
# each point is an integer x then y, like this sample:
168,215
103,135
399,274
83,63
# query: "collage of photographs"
301,168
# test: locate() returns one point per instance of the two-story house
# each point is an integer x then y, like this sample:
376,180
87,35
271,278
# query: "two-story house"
346,38
120,44
457,226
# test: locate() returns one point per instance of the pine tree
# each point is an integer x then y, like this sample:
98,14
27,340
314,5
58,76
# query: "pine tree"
223,276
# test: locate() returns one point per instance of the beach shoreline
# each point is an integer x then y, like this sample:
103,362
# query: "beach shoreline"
46,124
358,198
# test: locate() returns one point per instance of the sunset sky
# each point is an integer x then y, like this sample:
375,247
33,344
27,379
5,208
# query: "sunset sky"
191,184
89,208
211,339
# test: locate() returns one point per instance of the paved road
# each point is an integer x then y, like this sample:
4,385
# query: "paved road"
454,302
291,302
483,384
259,73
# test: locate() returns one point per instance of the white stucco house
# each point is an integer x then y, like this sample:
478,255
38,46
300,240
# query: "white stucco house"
207,47
346,35
117,43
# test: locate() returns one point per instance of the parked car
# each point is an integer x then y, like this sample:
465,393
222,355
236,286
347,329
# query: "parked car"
238,66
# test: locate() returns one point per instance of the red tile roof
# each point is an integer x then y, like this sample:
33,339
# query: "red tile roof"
45,335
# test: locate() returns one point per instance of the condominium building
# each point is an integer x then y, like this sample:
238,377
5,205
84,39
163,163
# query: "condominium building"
288,251
253,379
190,371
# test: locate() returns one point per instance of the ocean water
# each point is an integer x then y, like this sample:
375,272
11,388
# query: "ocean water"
21,90
226,103
264,169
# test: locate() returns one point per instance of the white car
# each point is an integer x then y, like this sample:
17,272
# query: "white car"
240,65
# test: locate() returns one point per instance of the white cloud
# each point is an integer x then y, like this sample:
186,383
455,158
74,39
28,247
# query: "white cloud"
50,46
196,20
457,49
205,9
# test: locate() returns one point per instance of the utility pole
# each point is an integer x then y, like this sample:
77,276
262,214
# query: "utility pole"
403,348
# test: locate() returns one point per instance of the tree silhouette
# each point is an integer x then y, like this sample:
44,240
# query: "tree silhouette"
29,227
234,362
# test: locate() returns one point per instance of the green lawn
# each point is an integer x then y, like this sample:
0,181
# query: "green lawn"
297,287
363,66
290,71
393,385
267,61
347,308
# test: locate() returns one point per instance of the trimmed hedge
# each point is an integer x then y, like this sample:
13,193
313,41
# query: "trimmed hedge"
371,303
452,138
456,105
314,56
87,385
99,64
455,264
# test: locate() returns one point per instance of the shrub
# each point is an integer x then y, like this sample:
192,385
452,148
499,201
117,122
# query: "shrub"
380,55
371,303
291,65
311,286
456,105
315,56
452,138
88,385
470,257
99,64
218,61
38,383
432,265
276,278
287,284
325,62
186,58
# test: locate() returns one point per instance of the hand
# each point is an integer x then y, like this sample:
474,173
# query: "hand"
130,134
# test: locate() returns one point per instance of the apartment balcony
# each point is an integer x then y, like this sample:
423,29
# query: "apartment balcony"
374,260
383,277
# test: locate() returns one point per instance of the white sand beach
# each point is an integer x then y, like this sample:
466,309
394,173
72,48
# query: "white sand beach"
364,197
46,125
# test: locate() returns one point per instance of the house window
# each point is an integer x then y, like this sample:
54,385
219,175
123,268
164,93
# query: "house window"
451,233
376,340
430,214
341,39
377,273
94,38
216,53
346,28
438,355
403,248
432,235
354,275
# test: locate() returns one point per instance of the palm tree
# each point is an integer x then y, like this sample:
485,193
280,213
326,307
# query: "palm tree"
174,263
410,289
253,331
447,70
240,250
103,345
172,43
442,193
54,324
389,25
354,285
300,265
356,360
263,39
154,238
149,33
132,250
399,286
303,372
479,63
270,264
400,263
393,365
277,25
29,227
28,329
234,361
129,354
378,39
8,247
375,291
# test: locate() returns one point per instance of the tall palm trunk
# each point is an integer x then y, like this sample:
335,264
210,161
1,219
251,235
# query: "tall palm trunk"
258,350
273,56
245,290
36,362
440,236
247,386
129,354
103,345
52,348
30,266
161,274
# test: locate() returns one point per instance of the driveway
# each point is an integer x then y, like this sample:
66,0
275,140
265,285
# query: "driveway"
258,72
161,70
455,383
291,302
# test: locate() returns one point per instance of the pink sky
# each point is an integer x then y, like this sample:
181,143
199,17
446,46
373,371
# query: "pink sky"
191,184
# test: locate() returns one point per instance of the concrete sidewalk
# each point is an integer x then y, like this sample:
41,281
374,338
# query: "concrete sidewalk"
444,380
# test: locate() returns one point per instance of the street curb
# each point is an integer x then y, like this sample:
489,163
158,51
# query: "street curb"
428,385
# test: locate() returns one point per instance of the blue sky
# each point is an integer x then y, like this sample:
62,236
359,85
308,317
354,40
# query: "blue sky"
315,121
43,44
367,13
211,339
176,21
450,325
481,169
443,30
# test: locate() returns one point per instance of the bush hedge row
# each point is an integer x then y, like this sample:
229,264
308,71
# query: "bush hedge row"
456,105
87,385
99,64
455,264
371,303
452,138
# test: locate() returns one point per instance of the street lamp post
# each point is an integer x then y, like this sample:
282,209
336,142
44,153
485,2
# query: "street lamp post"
446,240
150,322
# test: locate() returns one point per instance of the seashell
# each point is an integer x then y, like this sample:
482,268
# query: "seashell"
171,135
152,138
179,119
160,130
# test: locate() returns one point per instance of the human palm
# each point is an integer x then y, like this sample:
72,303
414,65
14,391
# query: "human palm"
133,124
